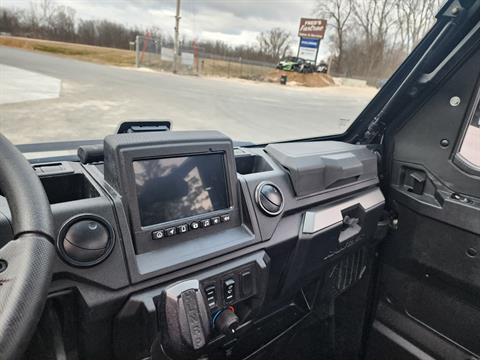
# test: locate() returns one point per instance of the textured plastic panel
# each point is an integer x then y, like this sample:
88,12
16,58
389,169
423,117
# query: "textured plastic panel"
317,166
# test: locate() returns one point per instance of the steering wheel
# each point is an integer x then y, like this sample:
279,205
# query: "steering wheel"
26,261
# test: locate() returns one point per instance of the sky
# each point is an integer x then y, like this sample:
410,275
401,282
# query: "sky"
233,21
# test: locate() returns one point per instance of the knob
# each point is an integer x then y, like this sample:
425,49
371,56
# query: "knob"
269,198
226,321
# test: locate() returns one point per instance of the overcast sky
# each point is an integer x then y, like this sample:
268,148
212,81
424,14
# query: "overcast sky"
234,21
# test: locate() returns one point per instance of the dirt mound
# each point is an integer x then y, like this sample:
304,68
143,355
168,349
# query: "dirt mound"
310,80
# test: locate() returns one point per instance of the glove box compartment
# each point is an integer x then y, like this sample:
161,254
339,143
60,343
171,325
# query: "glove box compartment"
329,232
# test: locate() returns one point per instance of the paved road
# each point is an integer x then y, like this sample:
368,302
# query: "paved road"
95,98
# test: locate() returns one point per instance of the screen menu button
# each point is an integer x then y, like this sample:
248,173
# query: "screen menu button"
182,228
194,225
170,231
205,223
157,235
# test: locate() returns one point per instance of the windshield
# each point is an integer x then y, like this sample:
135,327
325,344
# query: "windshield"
72,70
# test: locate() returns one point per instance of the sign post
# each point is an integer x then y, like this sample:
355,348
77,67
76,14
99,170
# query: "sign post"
311,32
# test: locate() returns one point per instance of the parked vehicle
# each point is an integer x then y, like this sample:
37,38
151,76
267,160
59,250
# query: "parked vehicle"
297,64
289,63
322,67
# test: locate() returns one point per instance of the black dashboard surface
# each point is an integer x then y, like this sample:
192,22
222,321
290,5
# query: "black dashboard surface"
306,239
252,230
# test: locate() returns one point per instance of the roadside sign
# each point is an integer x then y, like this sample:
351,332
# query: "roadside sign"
167,54
187,58
312,28
310,31
308,49
309,43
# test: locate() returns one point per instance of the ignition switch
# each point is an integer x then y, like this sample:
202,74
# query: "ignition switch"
226,321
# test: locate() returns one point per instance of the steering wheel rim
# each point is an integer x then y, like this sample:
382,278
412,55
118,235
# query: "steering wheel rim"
29,255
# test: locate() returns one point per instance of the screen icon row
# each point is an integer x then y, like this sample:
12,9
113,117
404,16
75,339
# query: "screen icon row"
194,225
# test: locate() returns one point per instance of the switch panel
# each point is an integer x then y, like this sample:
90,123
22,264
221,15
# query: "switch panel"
230,288
244,283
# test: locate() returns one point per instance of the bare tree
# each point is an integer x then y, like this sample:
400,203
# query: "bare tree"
414,18
374,19
274,42
9,21
87,32
337,13
46,9
30,19
61,24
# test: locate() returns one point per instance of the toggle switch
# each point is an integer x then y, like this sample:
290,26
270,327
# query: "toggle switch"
229,290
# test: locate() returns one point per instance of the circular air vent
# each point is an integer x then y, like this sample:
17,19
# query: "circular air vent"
85,240
269,198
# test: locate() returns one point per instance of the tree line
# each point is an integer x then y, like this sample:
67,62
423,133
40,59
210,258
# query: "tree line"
49,21
370,38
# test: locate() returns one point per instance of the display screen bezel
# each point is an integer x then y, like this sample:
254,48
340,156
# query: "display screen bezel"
129,154
222,173
119,180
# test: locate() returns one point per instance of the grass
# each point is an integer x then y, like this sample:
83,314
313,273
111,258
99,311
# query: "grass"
119,57
126,58
97,54
216,67
61,50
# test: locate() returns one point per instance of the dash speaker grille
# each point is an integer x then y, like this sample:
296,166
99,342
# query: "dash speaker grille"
349,269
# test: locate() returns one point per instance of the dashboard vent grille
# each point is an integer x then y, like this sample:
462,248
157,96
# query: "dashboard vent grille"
350,269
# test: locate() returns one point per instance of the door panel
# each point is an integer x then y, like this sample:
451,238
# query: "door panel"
429,277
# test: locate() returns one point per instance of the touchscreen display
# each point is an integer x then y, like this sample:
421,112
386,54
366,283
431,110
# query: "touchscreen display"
179,187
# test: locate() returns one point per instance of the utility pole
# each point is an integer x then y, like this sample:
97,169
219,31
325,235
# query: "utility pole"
176,48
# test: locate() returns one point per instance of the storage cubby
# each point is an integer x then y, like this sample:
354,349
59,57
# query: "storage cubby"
68,187
251,164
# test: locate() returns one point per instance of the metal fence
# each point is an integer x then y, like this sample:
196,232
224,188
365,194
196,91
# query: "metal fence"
151,52
212,64
148,51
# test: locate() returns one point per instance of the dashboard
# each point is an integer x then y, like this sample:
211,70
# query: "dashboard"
181,243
